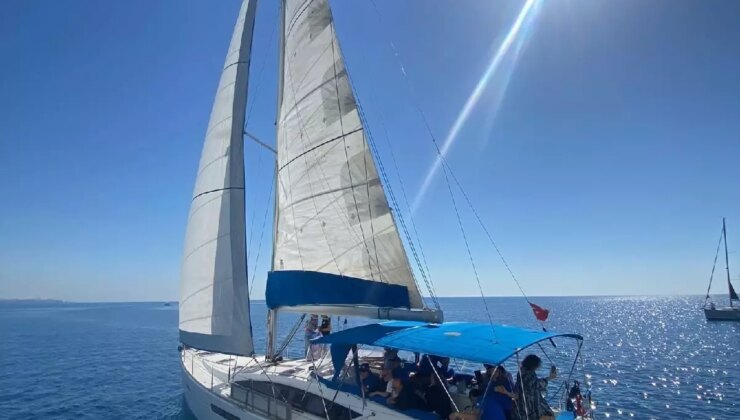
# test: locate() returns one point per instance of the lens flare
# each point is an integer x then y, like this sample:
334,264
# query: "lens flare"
500,68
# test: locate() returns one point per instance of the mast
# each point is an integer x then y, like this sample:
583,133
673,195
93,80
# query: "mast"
272,313
727,260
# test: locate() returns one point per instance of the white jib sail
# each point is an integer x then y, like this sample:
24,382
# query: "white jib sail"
214,296
332,213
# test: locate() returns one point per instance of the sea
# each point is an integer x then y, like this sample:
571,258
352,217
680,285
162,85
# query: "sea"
644,357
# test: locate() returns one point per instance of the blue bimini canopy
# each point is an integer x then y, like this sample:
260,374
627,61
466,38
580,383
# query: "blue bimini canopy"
296,288
483,343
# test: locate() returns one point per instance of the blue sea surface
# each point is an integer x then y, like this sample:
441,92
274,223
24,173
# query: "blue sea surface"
647,357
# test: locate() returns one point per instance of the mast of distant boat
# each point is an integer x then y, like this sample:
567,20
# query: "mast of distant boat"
727,261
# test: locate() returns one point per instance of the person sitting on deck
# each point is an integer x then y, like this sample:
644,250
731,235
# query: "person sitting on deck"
502,395
437,400
530,404
385,387
370,382
403,396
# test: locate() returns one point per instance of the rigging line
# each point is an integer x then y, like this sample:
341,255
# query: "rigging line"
406,200
485,230
249,115
343,217
424,119
290,336
467,245
370,212
344,139
252,219
261,70
321,391
262,232
711,276
427,281
272,384
374,149
391,194
495,246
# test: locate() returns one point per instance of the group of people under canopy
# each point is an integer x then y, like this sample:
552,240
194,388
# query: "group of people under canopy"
431,385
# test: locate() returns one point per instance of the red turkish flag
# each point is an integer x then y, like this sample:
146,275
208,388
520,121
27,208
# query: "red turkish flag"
539,312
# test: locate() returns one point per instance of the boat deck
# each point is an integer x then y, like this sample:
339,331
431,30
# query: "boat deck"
216,371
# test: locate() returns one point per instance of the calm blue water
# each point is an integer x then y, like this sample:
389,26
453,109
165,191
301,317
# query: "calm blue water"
651,357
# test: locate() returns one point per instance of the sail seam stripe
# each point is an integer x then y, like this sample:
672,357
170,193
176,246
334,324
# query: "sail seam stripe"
303,7
196,249
217,190
339,137
332,191
208,286
236,63
316,208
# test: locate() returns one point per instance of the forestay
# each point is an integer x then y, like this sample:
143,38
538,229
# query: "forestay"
214,297
332,213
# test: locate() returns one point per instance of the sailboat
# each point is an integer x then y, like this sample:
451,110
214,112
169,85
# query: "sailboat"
711,311
336,249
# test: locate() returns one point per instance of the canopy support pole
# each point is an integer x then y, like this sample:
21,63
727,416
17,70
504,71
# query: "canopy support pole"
443,384
521,385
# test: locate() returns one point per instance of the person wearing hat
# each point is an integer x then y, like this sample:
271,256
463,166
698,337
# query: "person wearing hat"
369,381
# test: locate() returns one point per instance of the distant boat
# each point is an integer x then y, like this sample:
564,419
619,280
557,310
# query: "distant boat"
336,251
728,313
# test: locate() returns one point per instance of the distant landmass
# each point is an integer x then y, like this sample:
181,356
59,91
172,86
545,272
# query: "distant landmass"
30,302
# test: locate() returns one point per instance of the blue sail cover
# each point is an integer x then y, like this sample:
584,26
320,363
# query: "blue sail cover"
298,288
483,343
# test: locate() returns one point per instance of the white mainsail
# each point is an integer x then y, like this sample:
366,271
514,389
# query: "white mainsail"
332,214
214,296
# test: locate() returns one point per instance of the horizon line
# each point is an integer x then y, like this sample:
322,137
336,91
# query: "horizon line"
3,299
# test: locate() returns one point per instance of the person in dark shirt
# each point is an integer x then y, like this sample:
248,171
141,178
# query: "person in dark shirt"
325,327
403,396
437,399
370,381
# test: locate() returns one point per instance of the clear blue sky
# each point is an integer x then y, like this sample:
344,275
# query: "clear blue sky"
602,158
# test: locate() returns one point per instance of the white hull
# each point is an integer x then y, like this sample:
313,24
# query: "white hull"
204,403
207,386
722,314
